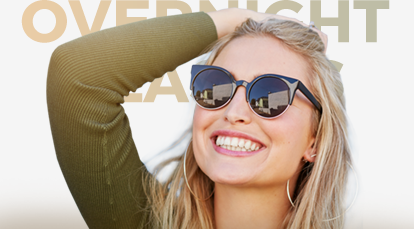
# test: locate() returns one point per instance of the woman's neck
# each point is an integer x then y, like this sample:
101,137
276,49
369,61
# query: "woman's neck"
250,207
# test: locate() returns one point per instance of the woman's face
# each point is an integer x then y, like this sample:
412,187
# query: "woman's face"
283,141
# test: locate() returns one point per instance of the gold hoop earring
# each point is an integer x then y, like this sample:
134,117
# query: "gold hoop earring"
288,193
186,180
356,191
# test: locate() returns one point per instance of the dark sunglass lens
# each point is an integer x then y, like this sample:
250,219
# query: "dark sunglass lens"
269,97
212,88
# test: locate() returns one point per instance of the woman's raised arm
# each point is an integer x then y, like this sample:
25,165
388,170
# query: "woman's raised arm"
87,81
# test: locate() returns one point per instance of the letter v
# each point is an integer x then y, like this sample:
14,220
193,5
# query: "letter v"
81,19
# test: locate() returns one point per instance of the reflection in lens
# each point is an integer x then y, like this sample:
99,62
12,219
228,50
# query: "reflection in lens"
212,88
269,97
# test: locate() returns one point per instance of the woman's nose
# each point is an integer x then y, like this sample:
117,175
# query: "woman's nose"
238,111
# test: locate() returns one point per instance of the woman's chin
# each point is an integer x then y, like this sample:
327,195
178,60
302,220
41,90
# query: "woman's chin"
224,169
228,175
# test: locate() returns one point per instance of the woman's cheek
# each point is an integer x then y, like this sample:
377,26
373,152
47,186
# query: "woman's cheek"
201,124
198,121
204,120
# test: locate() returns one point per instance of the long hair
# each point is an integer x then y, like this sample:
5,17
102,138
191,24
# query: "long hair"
320,188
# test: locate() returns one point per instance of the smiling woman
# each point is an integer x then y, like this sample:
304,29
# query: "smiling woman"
269,147
254,133
288,143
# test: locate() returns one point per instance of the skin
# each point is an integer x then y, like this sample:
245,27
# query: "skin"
251,191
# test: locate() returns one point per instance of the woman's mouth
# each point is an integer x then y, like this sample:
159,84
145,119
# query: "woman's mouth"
237,144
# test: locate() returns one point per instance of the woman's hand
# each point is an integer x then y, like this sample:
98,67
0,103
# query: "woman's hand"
227,20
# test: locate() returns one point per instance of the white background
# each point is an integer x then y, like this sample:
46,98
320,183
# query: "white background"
377,77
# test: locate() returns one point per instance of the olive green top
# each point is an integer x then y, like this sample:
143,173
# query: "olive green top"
86,84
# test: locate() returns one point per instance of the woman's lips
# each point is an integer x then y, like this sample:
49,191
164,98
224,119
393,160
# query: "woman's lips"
234,143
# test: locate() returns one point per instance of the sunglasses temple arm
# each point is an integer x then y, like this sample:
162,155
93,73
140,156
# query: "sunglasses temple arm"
309,95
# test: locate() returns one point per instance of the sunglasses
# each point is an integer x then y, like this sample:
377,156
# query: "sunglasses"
268,95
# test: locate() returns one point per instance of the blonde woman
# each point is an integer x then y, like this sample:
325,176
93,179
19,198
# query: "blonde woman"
269,146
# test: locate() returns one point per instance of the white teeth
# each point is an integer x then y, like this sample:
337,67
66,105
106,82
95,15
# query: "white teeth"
253,146
236,144
247,144
227,141
234,141
241,143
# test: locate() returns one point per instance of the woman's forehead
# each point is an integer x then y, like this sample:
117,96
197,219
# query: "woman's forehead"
248,57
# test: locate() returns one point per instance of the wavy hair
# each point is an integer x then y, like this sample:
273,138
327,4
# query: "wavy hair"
320,188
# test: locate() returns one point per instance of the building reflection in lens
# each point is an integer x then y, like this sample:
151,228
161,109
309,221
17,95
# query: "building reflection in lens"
214,97
270,105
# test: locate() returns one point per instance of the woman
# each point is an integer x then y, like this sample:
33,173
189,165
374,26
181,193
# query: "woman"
304,146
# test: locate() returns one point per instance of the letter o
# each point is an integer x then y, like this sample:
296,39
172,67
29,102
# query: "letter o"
56,9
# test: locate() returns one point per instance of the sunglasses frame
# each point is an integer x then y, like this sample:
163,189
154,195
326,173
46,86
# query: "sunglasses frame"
293,85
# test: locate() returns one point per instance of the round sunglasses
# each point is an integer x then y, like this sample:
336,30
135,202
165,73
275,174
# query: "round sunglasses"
268,95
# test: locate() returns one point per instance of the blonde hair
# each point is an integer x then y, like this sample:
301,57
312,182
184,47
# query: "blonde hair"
320,187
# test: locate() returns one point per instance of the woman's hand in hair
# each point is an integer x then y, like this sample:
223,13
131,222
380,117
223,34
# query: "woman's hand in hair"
227,20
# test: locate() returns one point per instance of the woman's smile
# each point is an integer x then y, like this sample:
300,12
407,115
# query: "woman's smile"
234,143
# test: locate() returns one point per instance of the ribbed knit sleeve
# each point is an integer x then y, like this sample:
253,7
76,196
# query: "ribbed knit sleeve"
87,81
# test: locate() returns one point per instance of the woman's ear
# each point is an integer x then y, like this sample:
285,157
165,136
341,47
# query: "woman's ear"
310,153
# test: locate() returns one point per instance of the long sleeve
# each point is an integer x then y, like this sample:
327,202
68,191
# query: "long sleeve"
86,84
